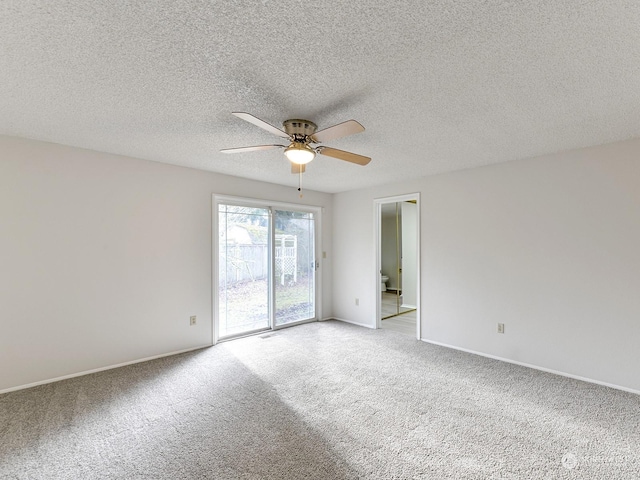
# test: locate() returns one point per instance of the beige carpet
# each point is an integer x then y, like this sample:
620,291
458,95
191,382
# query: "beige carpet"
322,401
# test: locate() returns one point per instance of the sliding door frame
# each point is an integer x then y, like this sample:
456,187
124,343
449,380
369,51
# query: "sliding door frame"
215,251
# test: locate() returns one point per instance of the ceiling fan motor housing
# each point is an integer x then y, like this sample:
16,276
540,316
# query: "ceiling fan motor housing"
298,128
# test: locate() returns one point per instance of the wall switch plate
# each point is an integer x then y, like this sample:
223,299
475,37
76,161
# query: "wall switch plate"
501,328
192,320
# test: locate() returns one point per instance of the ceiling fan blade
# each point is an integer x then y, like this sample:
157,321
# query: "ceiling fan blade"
298,168
260,123
342,155
337,131
250,149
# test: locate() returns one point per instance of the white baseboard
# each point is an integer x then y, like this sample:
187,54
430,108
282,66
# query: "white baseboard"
406,305
535,367
353,323
101,369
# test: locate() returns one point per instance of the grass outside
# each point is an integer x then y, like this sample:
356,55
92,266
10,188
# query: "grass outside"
245,307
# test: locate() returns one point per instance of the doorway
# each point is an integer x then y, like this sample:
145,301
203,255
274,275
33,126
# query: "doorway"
265,271
398,263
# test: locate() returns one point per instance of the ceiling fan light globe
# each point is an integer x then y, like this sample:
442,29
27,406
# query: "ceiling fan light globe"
299,153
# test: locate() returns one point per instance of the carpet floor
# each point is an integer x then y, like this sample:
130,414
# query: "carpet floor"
323,400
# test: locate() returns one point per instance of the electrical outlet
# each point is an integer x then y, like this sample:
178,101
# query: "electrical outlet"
501,328
357,302
192,320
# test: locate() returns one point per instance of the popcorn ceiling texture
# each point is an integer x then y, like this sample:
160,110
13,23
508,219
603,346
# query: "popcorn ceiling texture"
439,85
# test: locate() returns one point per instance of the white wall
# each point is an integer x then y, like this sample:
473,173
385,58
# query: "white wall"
103,258
548,246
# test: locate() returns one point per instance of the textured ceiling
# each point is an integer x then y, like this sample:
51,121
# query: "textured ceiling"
438,85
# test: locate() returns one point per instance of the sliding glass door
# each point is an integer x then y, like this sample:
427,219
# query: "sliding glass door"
266,268
295,266
243,270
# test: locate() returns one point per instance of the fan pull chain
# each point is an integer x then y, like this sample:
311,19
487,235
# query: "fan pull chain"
300,183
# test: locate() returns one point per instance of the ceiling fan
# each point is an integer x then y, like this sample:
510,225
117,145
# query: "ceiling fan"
303,138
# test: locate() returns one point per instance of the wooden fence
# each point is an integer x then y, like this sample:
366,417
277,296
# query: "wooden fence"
241,263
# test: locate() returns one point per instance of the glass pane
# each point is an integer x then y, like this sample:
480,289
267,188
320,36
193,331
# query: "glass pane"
294,263
243,262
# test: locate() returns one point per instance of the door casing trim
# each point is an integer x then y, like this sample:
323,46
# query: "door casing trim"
377,216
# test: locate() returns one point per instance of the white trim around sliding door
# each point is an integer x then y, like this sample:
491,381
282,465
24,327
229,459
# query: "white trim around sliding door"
260,203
